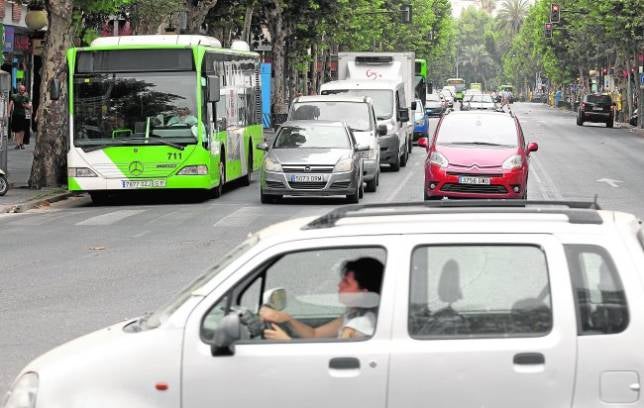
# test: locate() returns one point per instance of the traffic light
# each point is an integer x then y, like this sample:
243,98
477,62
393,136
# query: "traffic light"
555,13
405,14
547,30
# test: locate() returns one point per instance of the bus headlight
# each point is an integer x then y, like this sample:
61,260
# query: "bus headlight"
80,172
23,394
200,170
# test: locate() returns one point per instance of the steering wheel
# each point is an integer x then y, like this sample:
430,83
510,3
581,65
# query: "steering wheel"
253,323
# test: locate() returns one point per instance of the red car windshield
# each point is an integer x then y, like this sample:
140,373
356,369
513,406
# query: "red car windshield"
486,130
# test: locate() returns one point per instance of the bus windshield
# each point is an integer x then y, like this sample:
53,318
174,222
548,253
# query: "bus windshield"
134,108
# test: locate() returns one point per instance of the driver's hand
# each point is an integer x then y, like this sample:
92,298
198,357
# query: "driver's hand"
276,333
273,316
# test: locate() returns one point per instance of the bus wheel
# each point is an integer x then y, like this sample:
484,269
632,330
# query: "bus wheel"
98,197
219,190
247,177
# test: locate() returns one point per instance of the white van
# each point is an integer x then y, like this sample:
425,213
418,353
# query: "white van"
389,101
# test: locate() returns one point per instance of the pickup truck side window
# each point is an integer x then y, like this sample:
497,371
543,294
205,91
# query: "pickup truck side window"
479,291
308,283
599,294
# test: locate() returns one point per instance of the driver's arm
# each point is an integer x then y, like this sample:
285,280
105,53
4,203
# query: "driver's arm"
302,330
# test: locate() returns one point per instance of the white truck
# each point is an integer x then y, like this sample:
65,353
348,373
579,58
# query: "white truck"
387,78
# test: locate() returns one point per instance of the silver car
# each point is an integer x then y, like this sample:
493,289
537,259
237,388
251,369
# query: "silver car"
478,102
312,158
359,113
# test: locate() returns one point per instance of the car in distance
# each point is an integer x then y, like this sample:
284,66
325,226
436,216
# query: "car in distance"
359,113
421,121
477,154
434,106
478,102
545,298
596,108
312,158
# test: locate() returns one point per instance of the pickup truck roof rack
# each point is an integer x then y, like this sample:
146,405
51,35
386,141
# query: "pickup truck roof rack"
578,212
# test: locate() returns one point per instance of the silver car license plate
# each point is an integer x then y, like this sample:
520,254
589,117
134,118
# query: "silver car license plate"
473,180
306,178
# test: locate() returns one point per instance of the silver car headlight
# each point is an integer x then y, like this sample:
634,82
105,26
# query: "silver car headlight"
24,392
271,165
344,165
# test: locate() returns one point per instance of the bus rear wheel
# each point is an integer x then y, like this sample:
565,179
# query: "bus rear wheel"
246,179
99,197
219,190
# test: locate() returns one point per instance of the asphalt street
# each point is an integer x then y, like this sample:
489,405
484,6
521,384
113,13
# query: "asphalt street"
74,267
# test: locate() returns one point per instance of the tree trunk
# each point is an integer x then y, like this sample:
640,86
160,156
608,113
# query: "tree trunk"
49,165
197,14
278,35
248,21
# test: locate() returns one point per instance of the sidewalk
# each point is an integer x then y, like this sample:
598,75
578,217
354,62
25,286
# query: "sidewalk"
20,197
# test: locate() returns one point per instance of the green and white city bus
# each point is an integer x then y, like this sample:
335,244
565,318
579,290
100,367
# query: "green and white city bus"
162,112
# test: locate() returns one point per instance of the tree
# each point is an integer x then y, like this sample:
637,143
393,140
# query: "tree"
478,60
488,5
48,168
511,14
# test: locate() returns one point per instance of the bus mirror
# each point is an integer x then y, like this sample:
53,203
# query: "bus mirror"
213,88
54,89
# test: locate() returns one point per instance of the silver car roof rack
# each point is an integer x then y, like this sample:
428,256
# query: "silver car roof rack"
578,212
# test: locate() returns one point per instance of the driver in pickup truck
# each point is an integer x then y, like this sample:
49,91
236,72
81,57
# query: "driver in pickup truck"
358,289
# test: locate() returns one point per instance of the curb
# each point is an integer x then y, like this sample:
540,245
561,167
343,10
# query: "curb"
37,202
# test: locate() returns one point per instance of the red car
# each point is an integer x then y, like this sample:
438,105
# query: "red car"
477,155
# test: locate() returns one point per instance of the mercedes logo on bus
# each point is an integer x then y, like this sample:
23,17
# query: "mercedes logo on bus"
136,168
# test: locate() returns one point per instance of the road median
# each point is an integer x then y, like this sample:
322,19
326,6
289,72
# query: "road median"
24,199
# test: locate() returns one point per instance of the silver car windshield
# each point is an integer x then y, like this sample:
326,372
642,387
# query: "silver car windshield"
355,114
312,137
480,98
490,130
383,100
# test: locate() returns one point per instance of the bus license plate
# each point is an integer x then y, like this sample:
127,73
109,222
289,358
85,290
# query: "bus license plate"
307,178
142,183
473,180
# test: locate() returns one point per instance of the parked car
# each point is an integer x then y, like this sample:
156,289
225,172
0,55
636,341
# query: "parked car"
359,114
434,106
479,102
596,108
421,121
312,158
477,154
542,300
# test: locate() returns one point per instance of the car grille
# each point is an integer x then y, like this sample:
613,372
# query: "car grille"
274,184
308,186
341,184
307,169
474,188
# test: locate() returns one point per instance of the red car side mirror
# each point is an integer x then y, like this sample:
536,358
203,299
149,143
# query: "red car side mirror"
422,142
532,147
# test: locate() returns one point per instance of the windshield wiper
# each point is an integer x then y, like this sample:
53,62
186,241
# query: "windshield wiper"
91,148
159,139
477,143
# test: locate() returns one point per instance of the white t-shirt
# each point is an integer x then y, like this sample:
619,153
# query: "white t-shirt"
364,324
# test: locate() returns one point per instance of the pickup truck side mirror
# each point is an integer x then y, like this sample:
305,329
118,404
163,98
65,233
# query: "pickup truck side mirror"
226,335
382,130
413,105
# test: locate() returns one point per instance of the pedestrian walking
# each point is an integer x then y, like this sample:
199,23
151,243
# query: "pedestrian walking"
19,105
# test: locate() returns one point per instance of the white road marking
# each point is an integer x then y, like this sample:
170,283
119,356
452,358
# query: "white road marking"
241,217
140,234
611,182
400,187
547,185
110,218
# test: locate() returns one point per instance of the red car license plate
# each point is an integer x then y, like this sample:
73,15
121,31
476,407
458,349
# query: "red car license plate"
473,180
